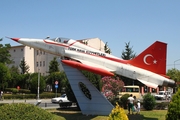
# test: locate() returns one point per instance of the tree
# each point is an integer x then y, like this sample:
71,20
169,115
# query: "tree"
111,86
128,53
57,76
53,66
107,49
174,107
24,67
23,80
4,53
93,78
34,83
15,76
174,74
4,76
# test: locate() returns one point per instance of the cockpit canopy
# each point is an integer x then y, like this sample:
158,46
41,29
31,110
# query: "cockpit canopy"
60,39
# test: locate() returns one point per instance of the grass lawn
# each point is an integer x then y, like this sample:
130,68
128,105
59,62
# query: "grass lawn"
76,115
149,115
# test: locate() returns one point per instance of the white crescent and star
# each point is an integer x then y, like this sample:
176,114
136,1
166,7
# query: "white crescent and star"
146,56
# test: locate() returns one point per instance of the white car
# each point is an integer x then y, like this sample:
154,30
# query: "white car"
62,98
163,95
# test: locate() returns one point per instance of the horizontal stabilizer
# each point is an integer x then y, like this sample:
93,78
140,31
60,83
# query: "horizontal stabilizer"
149,84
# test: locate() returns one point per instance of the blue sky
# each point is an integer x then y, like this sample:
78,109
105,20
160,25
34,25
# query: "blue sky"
140,22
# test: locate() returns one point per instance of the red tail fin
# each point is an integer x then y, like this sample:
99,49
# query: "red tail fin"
153,58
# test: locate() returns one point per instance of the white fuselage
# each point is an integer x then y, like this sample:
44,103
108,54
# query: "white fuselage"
93,57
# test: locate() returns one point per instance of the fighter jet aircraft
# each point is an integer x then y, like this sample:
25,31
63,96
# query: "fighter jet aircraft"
149,67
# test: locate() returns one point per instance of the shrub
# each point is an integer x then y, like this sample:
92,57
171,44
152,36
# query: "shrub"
117,113
12,90
44,95
24,91
149,101
15,90
174,107
22,111
115,100
124,100
161,106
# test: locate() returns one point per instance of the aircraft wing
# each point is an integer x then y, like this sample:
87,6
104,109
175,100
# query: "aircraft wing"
89,67
149,84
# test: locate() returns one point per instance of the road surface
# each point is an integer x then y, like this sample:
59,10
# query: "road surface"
45,103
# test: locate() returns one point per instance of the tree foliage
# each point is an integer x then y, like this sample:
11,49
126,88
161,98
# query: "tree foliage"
34,83
111,86
15,76
149,101
95,79
4,53
174,107
53,66
24,67
57,76
5,76
124,100
174,74
128,53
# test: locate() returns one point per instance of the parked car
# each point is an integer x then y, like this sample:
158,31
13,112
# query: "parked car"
61,99
163,95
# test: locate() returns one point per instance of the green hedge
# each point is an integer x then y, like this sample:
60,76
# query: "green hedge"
161,106
44,95
15,90
22,111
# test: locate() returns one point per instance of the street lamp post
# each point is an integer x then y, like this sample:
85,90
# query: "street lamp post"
38,85
38,99
175,62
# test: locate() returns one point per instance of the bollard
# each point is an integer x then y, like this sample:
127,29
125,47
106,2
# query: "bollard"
45,104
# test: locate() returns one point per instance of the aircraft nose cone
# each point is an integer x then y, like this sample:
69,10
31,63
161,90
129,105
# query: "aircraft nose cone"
15,39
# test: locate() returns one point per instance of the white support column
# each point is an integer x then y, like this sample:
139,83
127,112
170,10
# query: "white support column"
95,103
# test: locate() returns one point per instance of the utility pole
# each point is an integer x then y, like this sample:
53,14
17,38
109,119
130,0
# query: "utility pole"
38,100
38,85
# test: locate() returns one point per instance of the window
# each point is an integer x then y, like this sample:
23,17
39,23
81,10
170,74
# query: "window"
14,50
40,63
43,63
40,52
21,49
37,52
37,64
44,52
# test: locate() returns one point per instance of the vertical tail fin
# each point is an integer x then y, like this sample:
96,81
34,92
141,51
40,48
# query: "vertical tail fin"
153,58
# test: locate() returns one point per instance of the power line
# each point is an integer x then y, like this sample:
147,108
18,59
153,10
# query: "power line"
172,64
